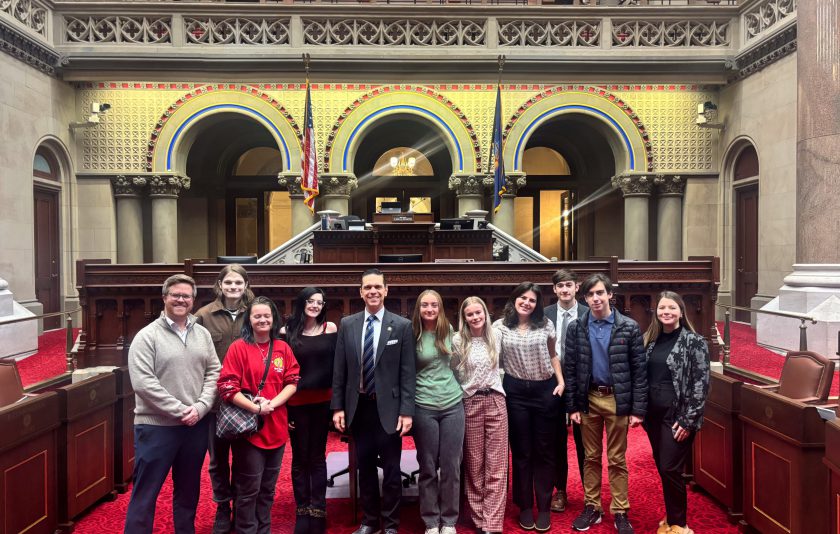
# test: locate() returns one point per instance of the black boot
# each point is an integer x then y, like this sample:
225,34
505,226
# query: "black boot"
222,524
302,520
317,521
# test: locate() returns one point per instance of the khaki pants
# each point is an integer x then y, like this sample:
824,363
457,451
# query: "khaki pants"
602,414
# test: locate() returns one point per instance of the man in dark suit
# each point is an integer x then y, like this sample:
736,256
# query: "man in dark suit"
565,287
373,396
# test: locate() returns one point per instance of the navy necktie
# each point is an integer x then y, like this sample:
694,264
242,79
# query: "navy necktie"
368,362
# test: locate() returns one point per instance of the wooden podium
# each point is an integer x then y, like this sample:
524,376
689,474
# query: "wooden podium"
401,238
718,447
785,481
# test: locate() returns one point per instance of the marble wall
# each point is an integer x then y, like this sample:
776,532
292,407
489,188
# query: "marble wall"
761,110
34,109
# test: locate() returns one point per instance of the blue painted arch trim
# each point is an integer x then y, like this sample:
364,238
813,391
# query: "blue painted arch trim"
624,137
419,110
248,111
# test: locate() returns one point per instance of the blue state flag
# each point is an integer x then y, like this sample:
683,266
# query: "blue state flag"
496,162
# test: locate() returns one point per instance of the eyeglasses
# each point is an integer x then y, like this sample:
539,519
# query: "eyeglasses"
313,302
179,296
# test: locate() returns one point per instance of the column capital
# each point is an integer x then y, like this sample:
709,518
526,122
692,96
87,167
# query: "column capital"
337,184
633,185
128,186
669,185
466,184
513,182
168,185
291,181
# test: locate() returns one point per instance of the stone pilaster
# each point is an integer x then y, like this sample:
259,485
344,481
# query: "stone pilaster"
636,189
302,218
127,191
503,218
469,190
669,217
335,190
164,191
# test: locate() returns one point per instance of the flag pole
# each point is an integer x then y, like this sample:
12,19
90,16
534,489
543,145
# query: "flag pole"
501,61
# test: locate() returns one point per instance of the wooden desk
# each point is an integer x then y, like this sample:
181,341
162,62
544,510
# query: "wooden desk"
832,461
718,447
785,480
86,455
350,246
28,457
395,217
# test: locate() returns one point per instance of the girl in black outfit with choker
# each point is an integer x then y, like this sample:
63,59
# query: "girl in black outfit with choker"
678,378
312,339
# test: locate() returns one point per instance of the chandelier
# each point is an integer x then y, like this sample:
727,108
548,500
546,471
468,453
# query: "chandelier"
403,166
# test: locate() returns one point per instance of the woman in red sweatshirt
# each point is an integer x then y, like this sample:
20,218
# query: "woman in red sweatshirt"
256,458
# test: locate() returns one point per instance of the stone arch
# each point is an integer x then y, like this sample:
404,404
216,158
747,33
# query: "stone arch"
623,129
453,125
173,134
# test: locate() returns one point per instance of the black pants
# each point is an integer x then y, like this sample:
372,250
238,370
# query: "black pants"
371,442
309,448
562,460
219,468
157,449
669,454
255,473
532,423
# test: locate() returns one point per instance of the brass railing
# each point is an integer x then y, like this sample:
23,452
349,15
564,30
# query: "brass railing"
803,332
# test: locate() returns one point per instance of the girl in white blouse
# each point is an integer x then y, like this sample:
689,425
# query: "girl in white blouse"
475,360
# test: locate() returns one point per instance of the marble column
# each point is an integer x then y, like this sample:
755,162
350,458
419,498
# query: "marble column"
469,192
636,189
335,190
813,288
129,218
669,217
504,218
818,133
302,218
164,192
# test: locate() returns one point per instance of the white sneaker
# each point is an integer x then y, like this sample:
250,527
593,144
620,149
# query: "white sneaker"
447,530
431,531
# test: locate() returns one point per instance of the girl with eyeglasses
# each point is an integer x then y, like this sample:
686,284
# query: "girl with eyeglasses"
312,339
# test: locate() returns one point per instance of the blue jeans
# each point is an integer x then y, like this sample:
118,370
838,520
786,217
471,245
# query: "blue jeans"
439,438
157,449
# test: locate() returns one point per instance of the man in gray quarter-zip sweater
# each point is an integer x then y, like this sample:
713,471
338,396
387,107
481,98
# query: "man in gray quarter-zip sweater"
174,369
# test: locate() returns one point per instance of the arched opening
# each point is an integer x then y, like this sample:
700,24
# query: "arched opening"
404,159
46,174
234,205
568,210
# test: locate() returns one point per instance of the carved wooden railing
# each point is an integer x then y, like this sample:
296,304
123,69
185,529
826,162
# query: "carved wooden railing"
119,300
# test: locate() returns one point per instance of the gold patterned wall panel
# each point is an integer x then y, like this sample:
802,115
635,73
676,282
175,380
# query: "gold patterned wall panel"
121,142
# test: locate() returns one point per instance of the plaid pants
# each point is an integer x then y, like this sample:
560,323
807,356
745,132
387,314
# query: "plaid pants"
486,459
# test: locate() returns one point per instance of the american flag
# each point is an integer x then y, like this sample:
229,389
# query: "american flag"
497,165
309,158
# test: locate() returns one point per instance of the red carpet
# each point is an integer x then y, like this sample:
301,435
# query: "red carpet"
49,360
744,353
645,498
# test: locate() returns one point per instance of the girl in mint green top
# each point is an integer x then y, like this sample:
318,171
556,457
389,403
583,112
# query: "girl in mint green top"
438,417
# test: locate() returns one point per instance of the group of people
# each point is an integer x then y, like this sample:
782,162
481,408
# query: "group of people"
476,395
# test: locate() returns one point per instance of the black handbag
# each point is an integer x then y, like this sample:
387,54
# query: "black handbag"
234,422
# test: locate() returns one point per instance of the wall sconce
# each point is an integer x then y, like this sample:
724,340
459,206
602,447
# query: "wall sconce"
96,109
707,114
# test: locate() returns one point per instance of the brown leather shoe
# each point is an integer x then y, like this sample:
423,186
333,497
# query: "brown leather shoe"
664,527
558,502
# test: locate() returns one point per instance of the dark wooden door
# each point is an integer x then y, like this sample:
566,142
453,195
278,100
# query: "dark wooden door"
746,248
47,262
